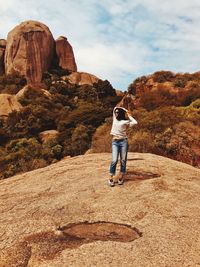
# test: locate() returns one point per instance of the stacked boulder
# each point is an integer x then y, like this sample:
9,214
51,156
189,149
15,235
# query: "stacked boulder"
31,49
65,55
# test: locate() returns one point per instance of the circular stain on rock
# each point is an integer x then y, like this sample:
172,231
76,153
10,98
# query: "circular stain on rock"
47,245
104,231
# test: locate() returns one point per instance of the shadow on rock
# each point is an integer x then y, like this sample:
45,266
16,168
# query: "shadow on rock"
135,159
132,176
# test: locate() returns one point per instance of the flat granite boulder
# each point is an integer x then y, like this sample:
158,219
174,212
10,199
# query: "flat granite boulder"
66,215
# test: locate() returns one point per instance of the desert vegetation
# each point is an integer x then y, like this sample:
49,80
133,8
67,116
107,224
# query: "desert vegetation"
11,84
168,116
74,111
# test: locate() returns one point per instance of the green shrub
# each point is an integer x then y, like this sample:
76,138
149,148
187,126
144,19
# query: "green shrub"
196,104
191,114
163,76
88,92
159,119
101,140
80,139
3,136
141,142
51,150
104,89
87,114
11,83
31,147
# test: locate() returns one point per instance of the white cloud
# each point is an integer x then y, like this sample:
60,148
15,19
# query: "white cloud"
118,40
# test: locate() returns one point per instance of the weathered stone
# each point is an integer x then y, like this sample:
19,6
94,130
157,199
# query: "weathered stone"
65,54
21,94
45,136
29,50
81,78
8,103
66,215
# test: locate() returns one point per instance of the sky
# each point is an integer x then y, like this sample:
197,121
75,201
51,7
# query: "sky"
118,40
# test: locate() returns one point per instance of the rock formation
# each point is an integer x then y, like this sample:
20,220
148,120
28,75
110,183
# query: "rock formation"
2,52
48,135
81,78
29,50
65,54
174,88
8,103
22,93
66,215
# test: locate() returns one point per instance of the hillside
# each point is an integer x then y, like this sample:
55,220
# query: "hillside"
164,88
66,215
167,108
49,110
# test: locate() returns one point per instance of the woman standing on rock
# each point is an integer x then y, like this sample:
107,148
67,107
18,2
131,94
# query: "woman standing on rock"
120,142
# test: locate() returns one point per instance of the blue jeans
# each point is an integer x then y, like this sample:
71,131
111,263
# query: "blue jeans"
119,147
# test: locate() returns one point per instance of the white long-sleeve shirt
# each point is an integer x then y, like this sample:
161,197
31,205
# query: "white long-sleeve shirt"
119,127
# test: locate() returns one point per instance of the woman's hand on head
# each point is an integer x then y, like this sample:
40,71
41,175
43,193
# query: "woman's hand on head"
128,112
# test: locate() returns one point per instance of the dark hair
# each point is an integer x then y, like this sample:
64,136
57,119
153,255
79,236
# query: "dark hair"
121,114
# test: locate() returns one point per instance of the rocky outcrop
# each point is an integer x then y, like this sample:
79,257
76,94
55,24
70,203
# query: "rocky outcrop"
66,215
2,53
81,78
22,93
8,103
65,55
48,135
29,50
163,88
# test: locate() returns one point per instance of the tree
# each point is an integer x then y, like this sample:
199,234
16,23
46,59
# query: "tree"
80,139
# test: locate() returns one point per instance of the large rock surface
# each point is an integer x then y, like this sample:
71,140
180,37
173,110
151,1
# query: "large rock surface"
8,103
29,50
65,54
152,220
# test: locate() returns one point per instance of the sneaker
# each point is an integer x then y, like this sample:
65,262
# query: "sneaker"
120,181
111,182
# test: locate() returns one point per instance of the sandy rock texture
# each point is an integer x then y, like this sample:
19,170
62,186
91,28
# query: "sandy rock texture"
66,215
29,50
65,54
